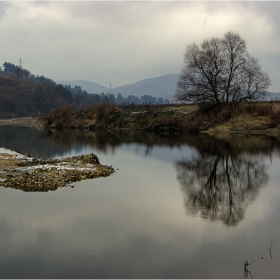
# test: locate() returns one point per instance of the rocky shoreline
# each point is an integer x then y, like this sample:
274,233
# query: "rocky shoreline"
34,175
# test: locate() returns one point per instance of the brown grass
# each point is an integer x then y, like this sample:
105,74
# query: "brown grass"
256,109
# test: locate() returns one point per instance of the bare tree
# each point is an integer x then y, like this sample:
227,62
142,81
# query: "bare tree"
221,70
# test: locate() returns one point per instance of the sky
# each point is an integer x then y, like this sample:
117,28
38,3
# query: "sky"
122,42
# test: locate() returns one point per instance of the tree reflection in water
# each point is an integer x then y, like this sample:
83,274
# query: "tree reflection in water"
225,177
108,142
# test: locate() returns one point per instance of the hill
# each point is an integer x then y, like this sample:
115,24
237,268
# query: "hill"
34,96
273,96
163,87
90,87
23,97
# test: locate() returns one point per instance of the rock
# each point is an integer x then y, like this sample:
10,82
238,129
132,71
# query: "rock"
49,174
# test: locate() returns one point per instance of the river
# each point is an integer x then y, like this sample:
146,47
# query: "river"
176,207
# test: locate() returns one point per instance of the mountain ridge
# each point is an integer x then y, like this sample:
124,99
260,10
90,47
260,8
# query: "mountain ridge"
162,86
90,87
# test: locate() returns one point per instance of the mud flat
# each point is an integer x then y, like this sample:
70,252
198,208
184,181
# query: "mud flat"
34,175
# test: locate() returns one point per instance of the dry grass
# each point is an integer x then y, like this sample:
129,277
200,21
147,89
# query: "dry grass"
28,121
187,108
256,109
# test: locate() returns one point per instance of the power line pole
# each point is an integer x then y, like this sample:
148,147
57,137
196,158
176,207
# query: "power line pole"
19,70
20,62
110,87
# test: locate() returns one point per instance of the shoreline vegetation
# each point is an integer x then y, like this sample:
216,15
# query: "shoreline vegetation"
243,118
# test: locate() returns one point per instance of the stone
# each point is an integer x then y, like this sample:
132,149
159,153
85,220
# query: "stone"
44,175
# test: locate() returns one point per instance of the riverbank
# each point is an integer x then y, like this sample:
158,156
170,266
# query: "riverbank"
254,118
249,118
246,124
33,175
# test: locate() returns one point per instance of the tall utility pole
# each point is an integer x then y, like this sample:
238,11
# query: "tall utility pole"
110,87
19,70
20,62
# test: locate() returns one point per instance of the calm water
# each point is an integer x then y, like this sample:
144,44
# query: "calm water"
177,207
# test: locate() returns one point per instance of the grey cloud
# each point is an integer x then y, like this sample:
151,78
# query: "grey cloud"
271,11
3,8
123,42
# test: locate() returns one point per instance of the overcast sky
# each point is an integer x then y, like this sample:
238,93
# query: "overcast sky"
124,42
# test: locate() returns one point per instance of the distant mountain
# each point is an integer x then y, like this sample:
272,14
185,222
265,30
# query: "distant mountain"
164,87
273,96
90,87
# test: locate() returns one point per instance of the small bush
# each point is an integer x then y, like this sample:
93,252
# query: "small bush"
104,110
100,112
60,115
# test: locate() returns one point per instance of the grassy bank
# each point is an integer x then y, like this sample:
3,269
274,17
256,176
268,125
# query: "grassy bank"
255,118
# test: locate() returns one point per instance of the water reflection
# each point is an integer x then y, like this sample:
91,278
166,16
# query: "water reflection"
218,183
50,143
133,224
109,141
225,177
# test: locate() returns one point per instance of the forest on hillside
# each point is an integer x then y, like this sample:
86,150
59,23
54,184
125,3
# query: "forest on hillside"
78,96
